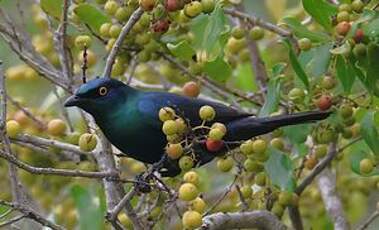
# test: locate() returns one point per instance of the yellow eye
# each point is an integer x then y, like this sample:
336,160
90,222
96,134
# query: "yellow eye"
103,91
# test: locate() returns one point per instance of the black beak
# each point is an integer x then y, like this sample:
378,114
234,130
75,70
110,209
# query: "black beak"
72,101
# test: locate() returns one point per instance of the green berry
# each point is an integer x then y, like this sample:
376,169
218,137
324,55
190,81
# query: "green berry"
192,220
256,33
166,113
247,147
82,41
259,146
13,128
216,134
346,111
252,166
321,151
225,164
208,5
238,32
169,127
207,113
304,44
357,5
188,192
343,16
193,9
360,50
111,7
366,166
87,142
186,163
285,198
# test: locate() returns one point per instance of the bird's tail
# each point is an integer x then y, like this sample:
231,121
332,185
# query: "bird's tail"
293,119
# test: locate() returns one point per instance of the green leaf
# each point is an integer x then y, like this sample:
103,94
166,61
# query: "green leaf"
245,79
296,64
52,7
358,152
278,69
321,11
90,214
218,69
210,32
280,169
316,61
302,31
345,73
272,98
91,16
297,133
182,50
370,133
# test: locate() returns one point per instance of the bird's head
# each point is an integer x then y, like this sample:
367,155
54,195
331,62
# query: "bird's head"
98,95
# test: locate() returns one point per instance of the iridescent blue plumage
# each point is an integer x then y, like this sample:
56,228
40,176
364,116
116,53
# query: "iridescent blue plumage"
129,119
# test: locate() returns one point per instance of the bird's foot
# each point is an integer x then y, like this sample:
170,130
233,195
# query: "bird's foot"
142,183
158,165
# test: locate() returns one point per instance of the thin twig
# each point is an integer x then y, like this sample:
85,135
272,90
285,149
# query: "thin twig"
369,220
11,221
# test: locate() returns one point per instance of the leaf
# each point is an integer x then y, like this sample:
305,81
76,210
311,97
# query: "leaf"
302,31
272,98
316,61
52,7
218,69
297,133
90,214
245,78
345,73
296,65
91,16
370,133
279,168
210,32
182,50
321,11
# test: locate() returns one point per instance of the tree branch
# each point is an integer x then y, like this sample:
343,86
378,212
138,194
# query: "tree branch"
256,219
369,220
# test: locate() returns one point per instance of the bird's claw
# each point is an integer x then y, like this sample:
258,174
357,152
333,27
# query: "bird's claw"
141,184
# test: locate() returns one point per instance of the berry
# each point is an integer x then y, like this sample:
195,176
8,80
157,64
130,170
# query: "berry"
343,28
246,191
111,7
188,192
181,125
147,5
169,127
344,7
247,147
311,162
343,16
207,113
220,126
191,220
238,32
225,164
321,151
277,143
359,35
257,33
285,198
349,121
104,29
252,166
174,151
260,179
304,44
278,210
122,14
346,111
214,145
198,205
83,41
216,134
193,9
259,146
366,166
324,102
191,89
357,5
13,128
191,177
328,82
172,5
161,26
360,50
186,163
56,127
87,142
296,95
166,113
73,138
114,31
208,5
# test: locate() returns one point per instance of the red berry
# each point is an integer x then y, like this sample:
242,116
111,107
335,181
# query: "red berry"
161,26
324,102
171,5
191,89
214,145
359,35
343,28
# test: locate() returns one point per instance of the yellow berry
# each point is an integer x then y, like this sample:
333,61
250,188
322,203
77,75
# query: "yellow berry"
191,177
191,220
225,164
87,142
198,205
216,134
82,41
207,113
13,128
169,127
56,127
188,192
166,113
174,151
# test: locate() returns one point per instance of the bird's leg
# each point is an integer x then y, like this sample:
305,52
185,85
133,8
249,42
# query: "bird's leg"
141,184
158,165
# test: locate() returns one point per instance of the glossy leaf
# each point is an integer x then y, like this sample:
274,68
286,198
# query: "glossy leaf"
302,31
279,168
182,50
272,97
370,133
52,7
90,214
345,73
218,69
321,11
316,61
91,16
244,78
296,65
297,133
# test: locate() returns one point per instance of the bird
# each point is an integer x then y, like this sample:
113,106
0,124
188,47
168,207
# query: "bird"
129,119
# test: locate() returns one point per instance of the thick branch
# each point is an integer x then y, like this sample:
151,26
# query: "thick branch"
333,205
256,219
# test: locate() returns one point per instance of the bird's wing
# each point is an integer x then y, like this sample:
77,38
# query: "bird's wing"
150,104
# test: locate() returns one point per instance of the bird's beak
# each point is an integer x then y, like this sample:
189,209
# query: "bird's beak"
72,101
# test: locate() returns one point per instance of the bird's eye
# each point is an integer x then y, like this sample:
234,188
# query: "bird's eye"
103,91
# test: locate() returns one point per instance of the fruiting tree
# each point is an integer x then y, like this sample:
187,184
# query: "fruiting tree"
264,57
